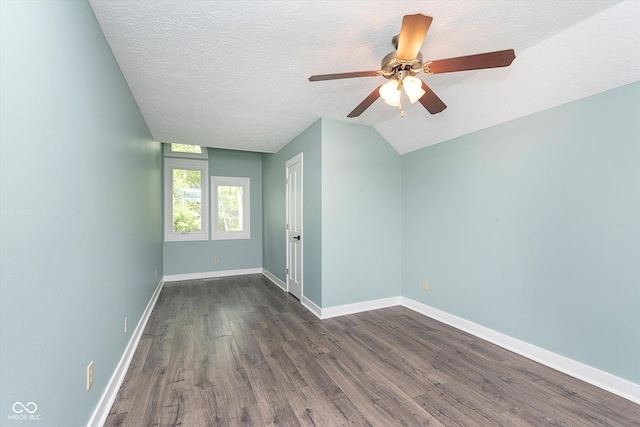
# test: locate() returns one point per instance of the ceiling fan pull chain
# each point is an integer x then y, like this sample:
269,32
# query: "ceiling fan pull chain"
401,96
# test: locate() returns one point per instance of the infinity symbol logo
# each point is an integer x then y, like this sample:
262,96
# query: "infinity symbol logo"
22,407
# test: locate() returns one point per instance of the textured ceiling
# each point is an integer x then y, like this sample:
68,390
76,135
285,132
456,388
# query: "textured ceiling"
233,74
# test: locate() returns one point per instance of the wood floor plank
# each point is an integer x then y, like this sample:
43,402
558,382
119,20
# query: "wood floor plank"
600,414
355,416
305,361
313,410
245,416
238,351
454,411
272,403
229,377
130,383
287,374
411,372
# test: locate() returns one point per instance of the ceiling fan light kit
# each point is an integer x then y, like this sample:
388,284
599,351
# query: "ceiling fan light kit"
401,67
413,88
391,93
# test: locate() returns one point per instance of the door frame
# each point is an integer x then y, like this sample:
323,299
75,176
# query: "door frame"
295,159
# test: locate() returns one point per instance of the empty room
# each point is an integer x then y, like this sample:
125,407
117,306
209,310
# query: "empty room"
319,213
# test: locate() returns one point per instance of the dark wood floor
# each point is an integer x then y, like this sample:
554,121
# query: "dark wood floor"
238,351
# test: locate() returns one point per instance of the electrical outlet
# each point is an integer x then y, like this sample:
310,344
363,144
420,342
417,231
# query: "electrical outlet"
425,285
216,259
126,324
90,375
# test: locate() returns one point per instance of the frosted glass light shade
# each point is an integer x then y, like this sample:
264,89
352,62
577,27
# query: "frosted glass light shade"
390,93
413,88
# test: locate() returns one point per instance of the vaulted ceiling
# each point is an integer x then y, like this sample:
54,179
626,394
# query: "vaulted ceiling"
234,74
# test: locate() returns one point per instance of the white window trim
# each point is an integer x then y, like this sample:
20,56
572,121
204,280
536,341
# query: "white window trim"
169,153
246,215
177,236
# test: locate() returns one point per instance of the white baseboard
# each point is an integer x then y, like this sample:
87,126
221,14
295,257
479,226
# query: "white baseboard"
211,274
359,307
273,278
306,302
109,396
311,306
593,376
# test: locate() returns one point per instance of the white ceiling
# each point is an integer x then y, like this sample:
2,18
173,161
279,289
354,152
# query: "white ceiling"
233,74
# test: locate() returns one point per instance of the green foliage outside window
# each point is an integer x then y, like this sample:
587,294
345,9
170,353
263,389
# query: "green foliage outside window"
187,200
230,208
185,148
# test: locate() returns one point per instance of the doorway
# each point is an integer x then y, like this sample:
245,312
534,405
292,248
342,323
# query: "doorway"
294,226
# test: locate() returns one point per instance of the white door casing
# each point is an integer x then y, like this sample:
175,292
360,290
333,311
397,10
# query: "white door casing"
294,225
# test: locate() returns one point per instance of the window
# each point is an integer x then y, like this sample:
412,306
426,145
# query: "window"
230,208
186,199
185,150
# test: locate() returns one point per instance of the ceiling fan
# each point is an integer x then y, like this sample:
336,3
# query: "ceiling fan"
401,67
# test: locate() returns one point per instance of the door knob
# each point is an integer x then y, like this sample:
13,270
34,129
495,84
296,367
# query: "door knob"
296,237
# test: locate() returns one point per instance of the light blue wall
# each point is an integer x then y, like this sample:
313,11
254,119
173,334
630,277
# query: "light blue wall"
360,215
529,228
532,228
80,210
240,254
351,213
274,215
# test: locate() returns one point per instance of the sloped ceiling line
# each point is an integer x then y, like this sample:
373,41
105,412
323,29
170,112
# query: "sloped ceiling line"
233,74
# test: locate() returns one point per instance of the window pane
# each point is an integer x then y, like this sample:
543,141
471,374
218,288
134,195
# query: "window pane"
185,148
230,209
187,200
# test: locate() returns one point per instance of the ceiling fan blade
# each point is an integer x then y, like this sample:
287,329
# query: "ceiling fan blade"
320,77
412,33
366,103
500,58
430,100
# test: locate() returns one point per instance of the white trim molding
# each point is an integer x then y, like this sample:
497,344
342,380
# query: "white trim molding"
101,412
311,306
359,307
211,274
306,302
244,208
274,279
593,376
170,235
168,152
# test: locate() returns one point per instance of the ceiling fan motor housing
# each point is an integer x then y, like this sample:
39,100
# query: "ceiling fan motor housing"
391,66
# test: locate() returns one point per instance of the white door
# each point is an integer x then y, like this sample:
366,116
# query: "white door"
294,226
